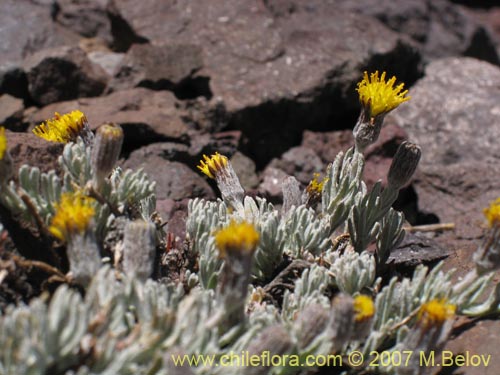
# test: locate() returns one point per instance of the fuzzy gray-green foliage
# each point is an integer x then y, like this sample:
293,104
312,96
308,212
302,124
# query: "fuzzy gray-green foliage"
124,325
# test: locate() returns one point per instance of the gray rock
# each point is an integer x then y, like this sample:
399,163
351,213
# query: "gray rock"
146,116
63,73
454,113
108,61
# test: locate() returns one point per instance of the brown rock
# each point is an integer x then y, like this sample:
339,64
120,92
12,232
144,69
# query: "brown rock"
245,170
477,338
328,144
88,18
441,29
158,66
175,180
27,148
26,28
11,112
300,162
63,73
276,76
146,116
270,186
458,193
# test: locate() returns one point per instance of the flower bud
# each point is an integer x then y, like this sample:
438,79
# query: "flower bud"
106,151
311,322
291,193
139,247
219,168
403,165
366,131
342,323
364,310
236,243
274,341
84,257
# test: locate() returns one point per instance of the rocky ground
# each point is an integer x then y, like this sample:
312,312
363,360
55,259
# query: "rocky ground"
270,83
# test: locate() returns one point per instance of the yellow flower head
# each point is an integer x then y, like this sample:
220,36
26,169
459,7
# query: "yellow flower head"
492,213
62,128
212,165
435,312
380,96
73,215
364,308
3,142
314,186
237,237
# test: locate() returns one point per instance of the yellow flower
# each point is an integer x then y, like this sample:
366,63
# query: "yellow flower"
380,96
492,213
213,164
74,213
315,186
62,128
237,237
363,308
435,312
3,142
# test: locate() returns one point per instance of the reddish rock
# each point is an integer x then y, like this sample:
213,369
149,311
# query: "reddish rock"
270,186
439,28
300,162
276,76
27,148
174,180
477,338
63,73
146,116
391,136
88,18
328,144
245,170
166,67
26,28
458,193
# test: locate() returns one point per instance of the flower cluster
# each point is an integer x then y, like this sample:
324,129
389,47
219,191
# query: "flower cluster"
237,237
364,308
74,213
492,213
3,142
62,128
380,96
213,165
435,312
